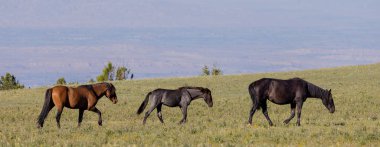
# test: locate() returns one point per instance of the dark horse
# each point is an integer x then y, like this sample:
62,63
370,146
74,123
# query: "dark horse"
180,97
83,97
293,91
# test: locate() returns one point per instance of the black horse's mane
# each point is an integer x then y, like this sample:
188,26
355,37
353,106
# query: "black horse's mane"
316,91
192,87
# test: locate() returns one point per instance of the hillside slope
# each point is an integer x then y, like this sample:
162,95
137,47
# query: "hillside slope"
356,91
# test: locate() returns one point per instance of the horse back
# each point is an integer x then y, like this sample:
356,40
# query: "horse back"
280,91
168,97
260,85
71,97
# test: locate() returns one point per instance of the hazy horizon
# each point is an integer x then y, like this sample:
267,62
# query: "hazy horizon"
42,40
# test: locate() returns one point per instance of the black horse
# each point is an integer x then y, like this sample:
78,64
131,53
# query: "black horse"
180,97
293,91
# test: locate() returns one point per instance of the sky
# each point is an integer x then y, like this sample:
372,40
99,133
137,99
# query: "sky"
42,40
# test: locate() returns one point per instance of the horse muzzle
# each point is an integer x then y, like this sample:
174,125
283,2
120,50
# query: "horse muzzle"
332,110
114,101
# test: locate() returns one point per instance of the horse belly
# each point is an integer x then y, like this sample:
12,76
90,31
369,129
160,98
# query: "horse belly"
75,101
279,95
171,102
280,101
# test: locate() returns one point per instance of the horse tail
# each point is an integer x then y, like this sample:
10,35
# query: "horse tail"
46,108
254,96
144,103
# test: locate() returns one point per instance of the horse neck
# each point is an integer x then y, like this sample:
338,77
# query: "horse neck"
99,90
196,94
315,91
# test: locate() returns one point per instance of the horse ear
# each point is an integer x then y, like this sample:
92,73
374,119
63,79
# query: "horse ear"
330,91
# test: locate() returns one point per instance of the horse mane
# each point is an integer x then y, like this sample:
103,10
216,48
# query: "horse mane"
108,85
192,87
315,91
90,87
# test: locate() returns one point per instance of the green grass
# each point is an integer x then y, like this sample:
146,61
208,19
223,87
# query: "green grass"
356,92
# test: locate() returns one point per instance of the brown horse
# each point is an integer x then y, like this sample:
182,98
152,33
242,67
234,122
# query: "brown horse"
83,97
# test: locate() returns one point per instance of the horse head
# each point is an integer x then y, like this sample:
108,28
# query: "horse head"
111,93
328,101
207,97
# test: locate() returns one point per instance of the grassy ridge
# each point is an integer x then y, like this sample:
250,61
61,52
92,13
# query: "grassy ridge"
356,92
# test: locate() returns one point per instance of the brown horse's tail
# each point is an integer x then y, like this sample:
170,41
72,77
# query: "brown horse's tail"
48,104
254,96
144,103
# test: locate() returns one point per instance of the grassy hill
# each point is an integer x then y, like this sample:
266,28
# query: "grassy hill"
356,92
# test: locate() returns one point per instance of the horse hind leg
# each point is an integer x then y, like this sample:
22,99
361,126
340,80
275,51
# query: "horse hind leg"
159,115
255,103
58,116
152,107
252,112
292,113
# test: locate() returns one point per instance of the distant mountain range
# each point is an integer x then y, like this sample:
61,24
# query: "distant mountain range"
42,40
41,56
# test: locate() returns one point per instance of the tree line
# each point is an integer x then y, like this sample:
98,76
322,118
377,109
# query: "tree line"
109,73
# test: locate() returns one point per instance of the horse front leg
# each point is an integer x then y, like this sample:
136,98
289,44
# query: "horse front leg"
96,110
159,115
265,112
292,113
299,109
184,113
80,117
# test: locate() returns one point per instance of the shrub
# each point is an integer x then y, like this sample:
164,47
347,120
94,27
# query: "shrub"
215,71
205,71
61,81
122,73
9,82
107,74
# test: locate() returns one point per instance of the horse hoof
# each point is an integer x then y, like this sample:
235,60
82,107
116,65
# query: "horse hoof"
39,126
